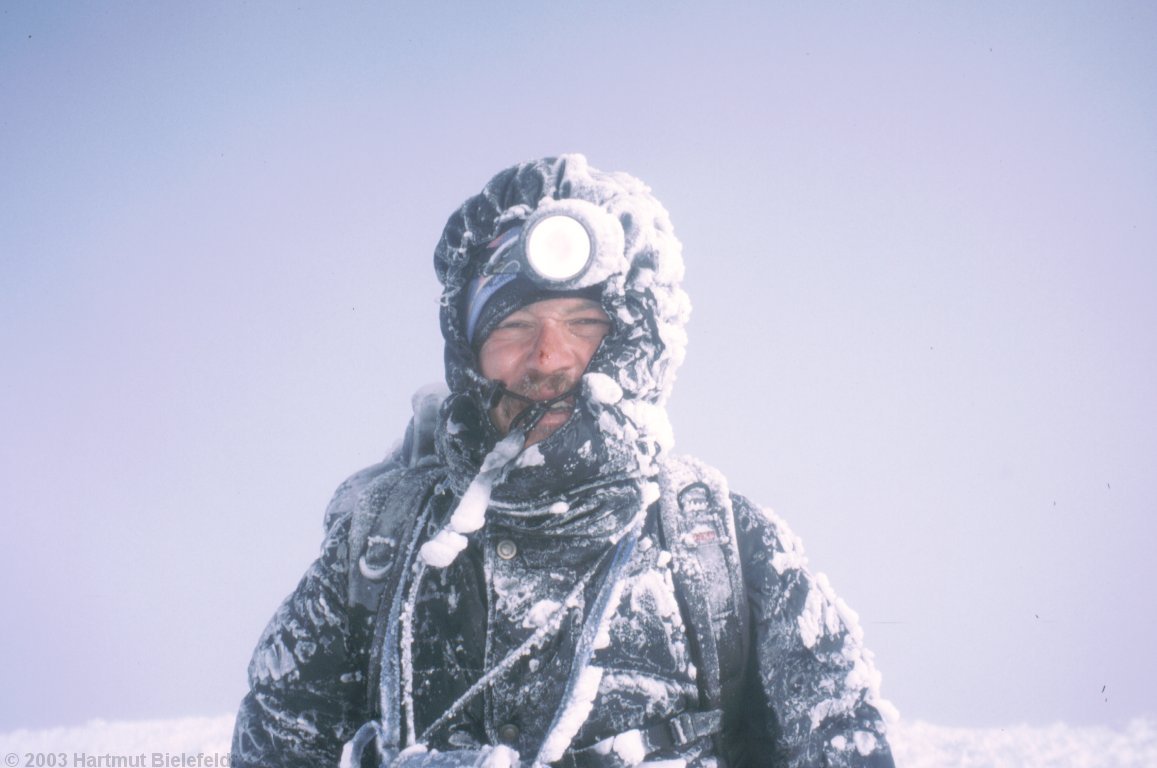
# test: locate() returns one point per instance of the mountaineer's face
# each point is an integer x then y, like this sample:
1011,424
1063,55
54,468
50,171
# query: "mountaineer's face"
539,352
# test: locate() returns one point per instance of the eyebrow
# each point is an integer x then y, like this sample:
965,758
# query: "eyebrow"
587,306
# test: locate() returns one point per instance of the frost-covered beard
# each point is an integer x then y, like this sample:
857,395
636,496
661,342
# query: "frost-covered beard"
540,388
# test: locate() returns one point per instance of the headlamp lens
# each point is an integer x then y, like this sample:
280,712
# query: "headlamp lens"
559,247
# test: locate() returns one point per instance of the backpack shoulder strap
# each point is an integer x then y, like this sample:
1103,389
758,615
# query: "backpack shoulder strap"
387,506
381,500
385,512
698,525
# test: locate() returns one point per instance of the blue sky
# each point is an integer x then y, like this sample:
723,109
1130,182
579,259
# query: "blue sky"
920,247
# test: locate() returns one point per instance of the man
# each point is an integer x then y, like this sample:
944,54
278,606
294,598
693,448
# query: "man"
533,578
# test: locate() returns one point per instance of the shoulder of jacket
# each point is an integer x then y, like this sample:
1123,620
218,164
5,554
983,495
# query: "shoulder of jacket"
378,516
345,498
414,453
757,527
380,501
764,535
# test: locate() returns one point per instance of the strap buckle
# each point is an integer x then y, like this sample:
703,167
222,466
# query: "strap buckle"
691,726
670,734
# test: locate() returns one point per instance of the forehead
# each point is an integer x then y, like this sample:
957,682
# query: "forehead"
564,307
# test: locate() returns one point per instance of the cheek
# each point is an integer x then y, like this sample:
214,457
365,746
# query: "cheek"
592,346
496,362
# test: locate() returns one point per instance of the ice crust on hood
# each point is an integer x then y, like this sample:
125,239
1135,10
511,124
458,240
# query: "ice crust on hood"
642,294
619,425
601,388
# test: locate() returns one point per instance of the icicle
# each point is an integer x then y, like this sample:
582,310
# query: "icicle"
574,713
470,513
407,651
389,687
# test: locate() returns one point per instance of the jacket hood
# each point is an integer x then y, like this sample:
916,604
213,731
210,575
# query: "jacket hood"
619,424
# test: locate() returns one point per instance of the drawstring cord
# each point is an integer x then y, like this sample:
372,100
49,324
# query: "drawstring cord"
563,728
618,553
535,409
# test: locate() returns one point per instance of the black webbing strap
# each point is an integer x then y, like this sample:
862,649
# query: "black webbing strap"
402,527
668,735
691,588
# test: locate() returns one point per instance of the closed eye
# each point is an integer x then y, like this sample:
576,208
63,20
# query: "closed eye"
514,324
590,327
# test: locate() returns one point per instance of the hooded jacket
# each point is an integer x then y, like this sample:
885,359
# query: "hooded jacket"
478,602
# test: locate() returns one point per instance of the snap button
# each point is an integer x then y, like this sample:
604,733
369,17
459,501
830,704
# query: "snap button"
508,733
506,549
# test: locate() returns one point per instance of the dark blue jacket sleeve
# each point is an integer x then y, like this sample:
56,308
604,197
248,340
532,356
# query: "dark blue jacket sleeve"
307,676
812,689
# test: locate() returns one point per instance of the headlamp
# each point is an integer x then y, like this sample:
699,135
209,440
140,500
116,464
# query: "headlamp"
563,244
557,248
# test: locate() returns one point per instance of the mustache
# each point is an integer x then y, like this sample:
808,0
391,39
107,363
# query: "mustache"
544,387
538,388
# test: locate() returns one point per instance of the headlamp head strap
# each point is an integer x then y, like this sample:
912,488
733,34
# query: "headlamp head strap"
562,244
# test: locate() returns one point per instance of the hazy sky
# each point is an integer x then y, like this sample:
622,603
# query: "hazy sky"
921,246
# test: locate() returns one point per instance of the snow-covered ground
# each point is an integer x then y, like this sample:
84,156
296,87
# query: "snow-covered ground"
204,741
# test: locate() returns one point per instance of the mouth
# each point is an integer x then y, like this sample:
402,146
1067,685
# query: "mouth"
555,415
566,404
552,402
